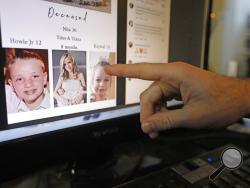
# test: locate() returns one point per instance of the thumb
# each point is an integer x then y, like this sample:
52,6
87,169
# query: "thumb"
164,121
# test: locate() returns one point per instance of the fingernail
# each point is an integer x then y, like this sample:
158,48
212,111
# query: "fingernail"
153,135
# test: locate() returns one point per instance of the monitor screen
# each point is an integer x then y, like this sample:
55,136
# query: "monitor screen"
57,103
53,54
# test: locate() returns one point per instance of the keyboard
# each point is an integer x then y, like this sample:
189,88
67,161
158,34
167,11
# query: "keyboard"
195,172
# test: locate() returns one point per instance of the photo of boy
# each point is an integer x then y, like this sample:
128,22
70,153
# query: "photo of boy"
102,85
27,76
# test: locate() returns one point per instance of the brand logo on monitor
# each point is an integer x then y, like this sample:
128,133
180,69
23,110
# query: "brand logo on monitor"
105,132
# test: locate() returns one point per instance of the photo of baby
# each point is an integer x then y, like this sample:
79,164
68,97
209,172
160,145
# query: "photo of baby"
69,68
102,85
26,80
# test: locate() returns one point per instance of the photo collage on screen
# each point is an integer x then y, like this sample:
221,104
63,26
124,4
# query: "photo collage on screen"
60,71
27,78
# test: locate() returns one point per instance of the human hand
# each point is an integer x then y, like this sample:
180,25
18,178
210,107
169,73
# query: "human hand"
210,100
65,101
60,91
93,97
77,100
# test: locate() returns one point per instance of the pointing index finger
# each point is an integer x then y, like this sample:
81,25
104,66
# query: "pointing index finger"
145,71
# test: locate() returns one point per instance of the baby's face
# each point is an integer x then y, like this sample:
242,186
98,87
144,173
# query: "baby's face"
102,81
28,79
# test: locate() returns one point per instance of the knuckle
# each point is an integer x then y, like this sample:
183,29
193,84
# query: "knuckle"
142,96
167,123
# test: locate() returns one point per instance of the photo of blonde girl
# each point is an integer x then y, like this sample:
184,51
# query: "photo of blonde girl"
70,88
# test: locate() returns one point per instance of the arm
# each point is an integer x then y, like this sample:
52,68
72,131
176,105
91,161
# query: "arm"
82,80
210,100
79,97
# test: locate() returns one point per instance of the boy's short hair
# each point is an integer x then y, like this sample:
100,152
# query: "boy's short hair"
12,57
25,54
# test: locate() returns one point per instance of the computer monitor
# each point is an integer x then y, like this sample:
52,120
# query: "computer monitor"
57,103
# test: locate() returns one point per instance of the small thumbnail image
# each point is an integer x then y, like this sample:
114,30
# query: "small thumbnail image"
69,70
26,80
102,85
130,44
131,23
131,5
97,5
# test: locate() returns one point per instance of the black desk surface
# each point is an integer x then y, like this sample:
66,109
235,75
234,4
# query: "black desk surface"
132,159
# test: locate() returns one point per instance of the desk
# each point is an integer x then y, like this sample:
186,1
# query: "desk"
131,160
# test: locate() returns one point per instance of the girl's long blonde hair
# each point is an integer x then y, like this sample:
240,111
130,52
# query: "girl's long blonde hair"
63,72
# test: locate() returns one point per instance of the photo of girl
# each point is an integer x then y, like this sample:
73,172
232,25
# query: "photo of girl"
26,80
102,85
70,88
